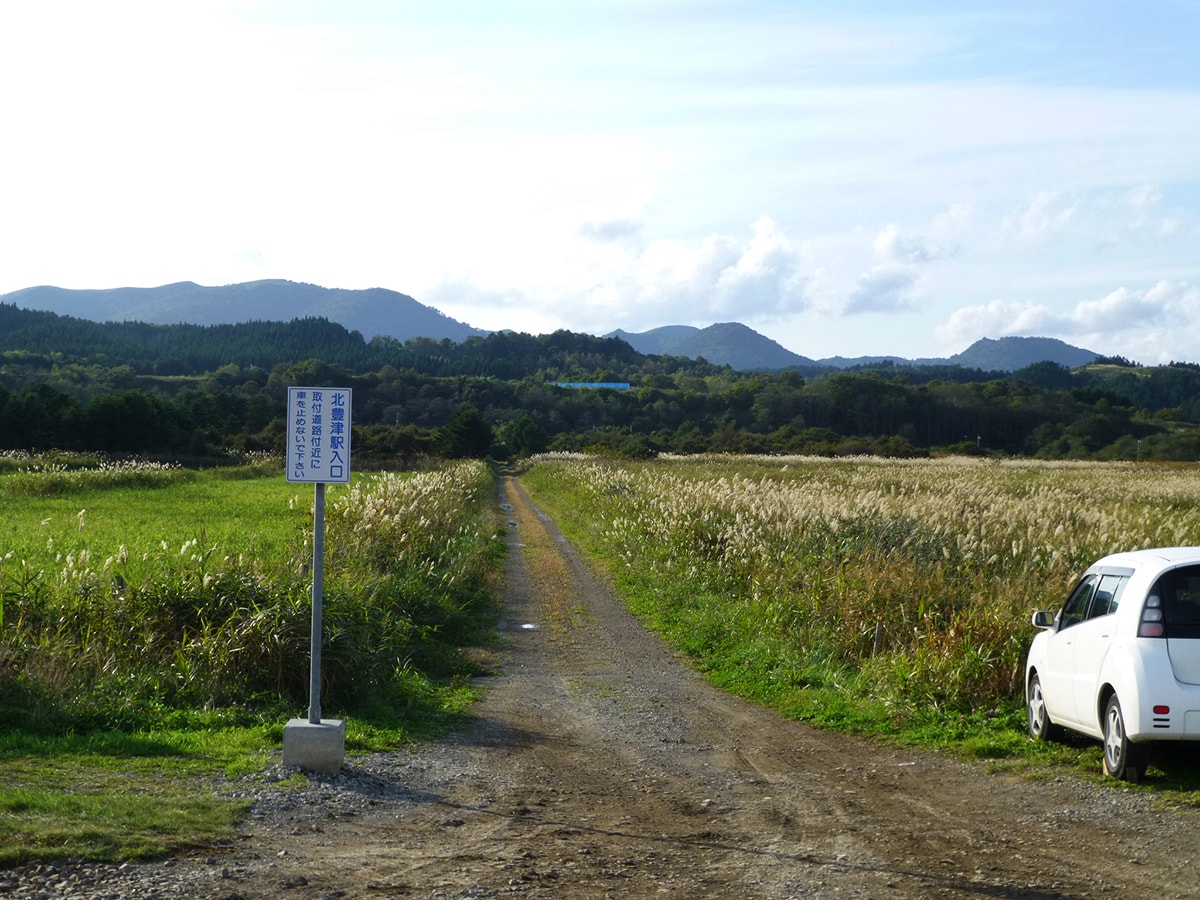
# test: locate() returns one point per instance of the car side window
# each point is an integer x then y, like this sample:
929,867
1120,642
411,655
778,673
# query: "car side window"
1122,580
1107,596
1076,605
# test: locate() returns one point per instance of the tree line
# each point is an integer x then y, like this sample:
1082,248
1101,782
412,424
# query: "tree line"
196,392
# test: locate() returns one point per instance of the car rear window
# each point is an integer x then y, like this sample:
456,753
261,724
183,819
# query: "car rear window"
1180,593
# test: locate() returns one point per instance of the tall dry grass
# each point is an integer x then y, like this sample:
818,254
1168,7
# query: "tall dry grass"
910,582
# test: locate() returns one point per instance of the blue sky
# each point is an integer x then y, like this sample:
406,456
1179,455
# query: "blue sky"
847,178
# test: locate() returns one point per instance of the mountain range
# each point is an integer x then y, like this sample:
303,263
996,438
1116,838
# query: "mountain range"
379,311
734,344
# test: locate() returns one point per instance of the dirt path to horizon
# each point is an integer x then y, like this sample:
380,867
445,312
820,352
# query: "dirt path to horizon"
600,766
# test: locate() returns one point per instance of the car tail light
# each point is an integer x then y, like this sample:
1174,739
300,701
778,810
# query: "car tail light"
1161,710
1151,624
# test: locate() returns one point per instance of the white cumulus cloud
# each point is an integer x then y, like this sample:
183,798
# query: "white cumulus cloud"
1046,215
619,278
885,288
1137,324
894,245
722,276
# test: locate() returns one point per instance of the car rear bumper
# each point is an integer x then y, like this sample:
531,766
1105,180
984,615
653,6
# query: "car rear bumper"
1169,715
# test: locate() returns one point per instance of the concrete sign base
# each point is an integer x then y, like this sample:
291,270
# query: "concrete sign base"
318,747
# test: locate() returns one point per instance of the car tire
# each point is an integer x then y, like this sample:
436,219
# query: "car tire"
1037,719
1122,759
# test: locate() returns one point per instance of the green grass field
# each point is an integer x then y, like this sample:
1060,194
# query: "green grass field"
154,637
262,516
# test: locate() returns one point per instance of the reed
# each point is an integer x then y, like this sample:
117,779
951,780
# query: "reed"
905,584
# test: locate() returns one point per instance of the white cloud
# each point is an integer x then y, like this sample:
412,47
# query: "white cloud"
1000,318
1046,215
892,284
1142,202
893,245
1138,214
721,276
767,278
606,280
610,230
949,225
1145,325
886,289
1124,309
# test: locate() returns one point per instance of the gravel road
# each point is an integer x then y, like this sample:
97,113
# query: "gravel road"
600,766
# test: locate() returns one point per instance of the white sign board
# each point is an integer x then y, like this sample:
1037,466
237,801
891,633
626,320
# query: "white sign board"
318,441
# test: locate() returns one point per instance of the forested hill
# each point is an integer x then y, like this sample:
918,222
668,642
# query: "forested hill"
199,349
175,349
372,311
189,391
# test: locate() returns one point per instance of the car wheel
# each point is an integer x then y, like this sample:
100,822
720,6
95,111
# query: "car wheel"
1040,726
1121,758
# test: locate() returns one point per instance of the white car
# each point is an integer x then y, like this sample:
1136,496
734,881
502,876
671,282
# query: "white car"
1121,660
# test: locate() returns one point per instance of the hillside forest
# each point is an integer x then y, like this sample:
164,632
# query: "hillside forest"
198,393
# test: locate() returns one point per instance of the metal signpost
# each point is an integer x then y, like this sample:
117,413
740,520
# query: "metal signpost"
318,451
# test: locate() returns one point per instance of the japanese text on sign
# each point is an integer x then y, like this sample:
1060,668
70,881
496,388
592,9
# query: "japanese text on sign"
318,443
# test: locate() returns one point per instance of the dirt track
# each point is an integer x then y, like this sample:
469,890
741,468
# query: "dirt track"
600,766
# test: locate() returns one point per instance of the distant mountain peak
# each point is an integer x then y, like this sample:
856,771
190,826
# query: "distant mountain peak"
724,344
656,341
1008,354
